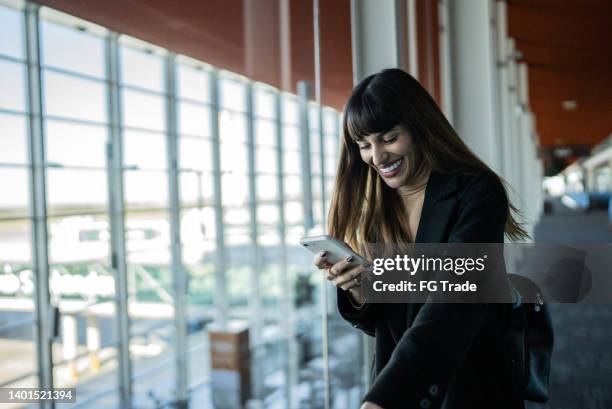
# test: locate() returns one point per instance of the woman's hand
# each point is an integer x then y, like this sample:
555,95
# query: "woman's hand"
370,405
341,274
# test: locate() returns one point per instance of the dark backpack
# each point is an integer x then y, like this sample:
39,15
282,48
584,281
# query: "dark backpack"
532,340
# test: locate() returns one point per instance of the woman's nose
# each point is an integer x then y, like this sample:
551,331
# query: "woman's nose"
378,155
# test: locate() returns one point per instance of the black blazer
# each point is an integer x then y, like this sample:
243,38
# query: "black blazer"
446,356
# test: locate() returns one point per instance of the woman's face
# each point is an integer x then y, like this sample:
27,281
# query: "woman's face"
389,154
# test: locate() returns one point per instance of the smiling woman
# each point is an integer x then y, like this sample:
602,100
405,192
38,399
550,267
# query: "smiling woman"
405,176
394,156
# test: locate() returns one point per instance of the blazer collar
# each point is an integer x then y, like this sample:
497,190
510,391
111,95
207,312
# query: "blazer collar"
437,207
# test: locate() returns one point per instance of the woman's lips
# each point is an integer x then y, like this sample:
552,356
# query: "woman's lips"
390,170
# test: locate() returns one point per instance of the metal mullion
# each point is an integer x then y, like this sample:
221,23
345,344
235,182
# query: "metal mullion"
117,221
76,121
255,296
178,272
324,289
12,112
22,166
192,101
142,90
304,93
38,207
4,57
286,283
74,74
220,300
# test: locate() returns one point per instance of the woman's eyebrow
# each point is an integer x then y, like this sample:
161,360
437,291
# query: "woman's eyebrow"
383,134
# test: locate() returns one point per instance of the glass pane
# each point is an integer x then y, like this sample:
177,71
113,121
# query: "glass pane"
14,199
75,144
315,142
82,283
195,153
267,187
313,117
329,187
196,188
194,119
193,83
234,157
316,187
294,212
142,69
151,305
141,110
11,33
232,126
235,189
13,86
291,138
198,226
293,186
291,110
79,248
146,150
199,261
17,332
71,97
268,214
71,49
15,256
76,190
232,94
236,216
266,160
238,265
13,142
265,104
331,144
146,189
330,166
315,164
265,132
330,121
292,163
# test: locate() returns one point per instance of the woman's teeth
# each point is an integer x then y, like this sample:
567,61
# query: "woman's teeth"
391,167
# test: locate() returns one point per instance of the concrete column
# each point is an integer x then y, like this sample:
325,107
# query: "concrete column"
505,109
445,61
473,77
93,342
380,39
379,32
513,125
69,345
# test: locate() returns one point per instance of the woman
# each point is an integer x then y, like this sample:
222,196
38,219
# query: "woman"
405,176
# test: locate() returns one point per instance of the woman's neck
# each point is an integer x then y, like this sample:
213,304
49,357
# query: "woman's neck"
416,186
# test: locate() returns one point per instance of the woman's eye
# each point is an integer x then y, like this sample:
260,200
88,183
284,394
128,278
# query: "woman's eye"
364,147
390,140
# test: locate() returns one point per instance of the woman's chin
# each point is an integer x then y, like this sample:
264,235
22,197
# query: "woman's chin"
395,182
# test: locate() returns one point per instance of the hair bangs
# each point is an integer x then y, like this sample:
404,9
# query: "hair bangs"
365,116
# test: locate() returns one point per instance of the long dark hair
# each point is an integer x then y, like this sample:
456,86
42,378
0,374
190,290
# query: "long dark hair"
377,104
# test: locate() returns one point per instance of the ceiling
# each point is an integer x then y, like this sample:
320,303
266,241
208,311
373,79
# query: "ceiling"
567,45
242,36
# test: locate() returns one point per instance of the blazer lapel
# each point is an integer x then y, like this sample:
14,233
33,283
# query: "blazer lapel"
437,209
438,205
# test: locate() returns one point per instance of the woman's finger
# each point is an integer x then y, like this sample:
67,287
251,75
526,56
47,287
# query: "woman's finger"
320,260
349,276
339,267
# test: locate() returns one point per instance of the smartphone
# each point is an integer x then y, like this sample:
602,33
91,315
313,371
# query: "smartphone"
336,249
